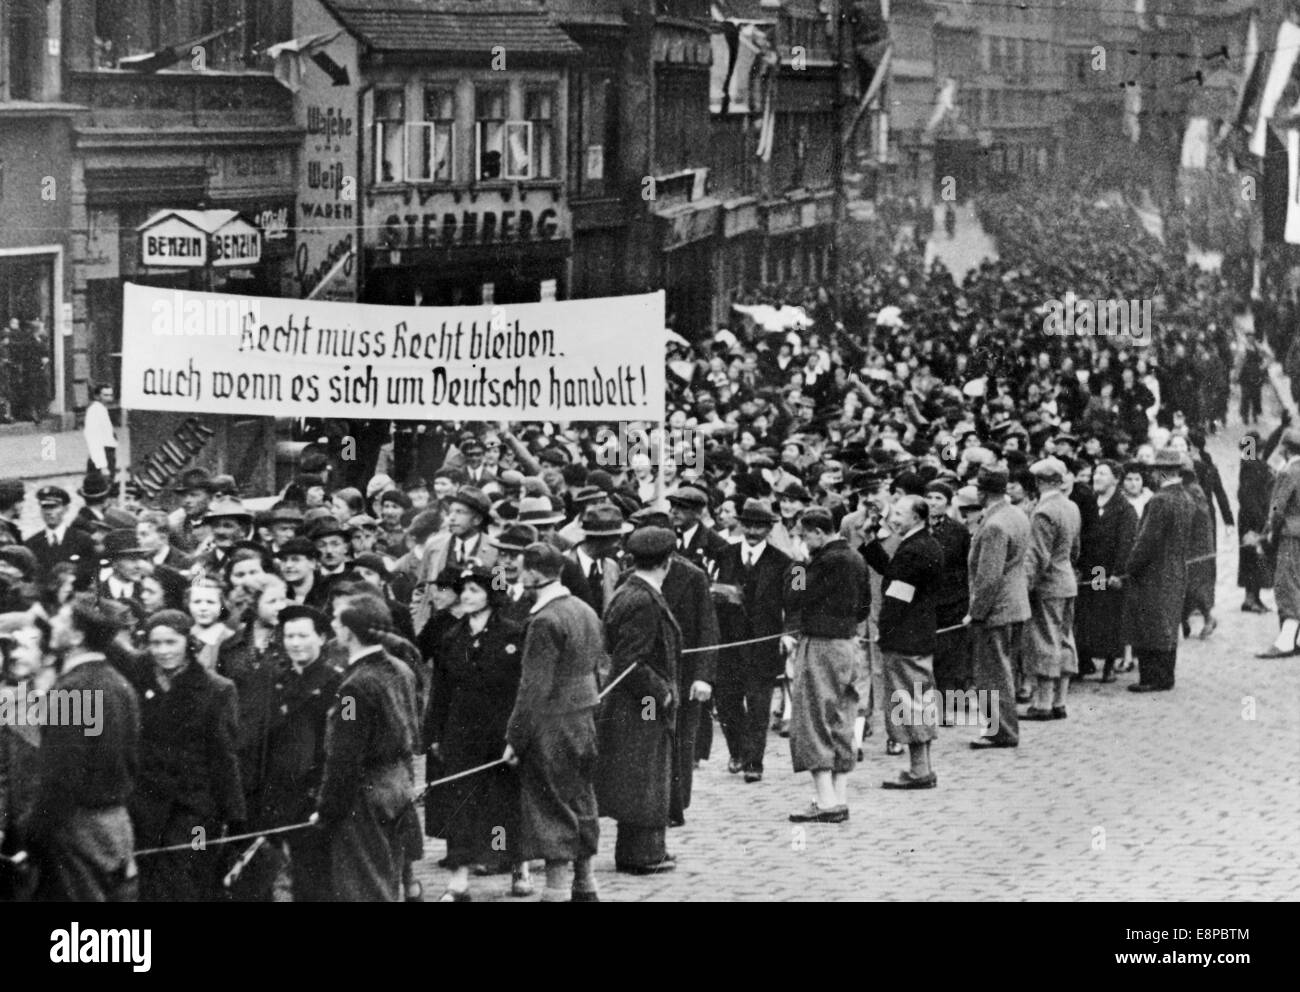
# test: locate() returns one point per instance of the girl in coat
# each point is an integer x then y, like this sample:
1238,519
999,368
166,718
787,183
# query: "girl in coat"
188,785
476,670
205,602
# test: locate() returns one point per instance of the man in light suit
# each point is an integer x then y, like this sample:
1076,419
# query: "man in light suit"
999,601
1055,529
466,538
1283,532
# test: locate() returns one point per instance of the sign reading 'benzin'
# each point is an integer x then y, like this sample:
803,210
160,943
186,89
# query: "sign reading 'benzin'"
600,360
1129,320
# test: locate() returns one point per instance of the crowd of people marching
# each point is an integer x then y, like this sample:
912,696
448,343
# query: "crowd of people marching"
920,498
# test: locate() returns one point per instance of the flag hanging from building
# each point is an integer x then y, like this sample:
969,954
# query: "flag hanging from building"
166,57
1292,229
289,56
1133,111
1276,197
1285,50
1252,76
1196,143
944,104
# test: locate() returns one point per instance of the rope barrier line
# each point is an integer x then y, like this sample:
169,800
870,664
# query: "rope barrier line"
261,834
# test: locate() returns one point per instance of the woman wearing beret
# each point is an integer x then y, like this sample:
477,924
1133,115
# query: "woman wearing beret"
476,669
187,789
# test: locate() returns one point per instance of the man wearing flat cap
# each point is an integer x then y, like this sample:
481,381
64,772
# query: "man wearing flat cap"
748,596
59,542
999,602
825,601
1049,649
698,544
551,734
638,717
1155,576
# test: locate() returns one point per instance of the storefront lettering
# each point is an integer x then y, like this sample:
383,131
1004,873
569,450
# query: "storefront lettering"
311,277
483,227
330,122
324,175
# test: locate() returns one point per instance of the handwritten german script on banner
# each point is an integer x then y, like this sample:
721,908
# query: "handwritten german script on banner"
597,359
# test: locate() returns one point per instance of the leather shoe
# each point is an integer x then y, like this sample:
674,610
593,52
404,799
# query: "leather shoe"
577,896
1034,713
753,776
1148,687
1023,695
893,747
669,863
815,814
988,743
734,766
1275,653
1208,629
1059,713
907,780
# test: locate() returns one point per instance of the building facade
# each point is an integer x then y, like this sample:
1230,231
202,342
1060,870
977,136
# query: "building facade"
36,265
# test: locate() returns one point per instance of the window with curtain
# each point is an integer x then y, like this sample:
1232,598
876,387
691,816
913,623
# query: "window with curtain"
430,142
539,111
489,132
390,134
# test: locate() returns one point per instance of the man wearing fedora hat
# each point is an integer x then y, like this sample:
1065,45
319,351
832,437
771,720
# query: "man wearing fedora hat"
581,499
127,562
95,492
596,554
58,542
749,597
465,539
228,522
541,512
1155,576
189,527
999,602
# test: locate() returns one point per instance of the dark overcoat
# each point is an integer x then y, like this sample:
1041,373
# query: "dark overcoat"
637,718
1255,483
553,730
475,680
295,752
1103,556
760,613
1156,572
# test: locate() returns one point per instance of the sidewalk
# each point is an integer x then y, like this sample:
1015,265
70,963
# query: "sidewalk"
39,455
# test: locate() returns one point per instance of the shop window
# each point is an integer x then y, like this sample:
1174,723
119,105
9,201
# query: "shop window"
26,338
431,142
539,112
489,133
598,165
390,134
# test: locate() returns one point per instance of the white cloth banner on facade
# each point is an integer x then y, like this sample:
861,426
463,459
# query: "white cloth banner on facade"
747,50
1279,74
1292,233
1196,143
718,71
599,359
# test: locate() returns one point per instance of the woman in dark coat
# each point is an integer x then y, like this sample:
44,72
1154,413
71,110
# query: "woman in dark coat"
1102,559
188,787
1255,485
476,670
1201,570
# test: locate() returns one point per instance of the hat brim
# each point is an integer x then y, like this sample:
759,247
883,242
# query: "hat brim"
554,518
623,528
